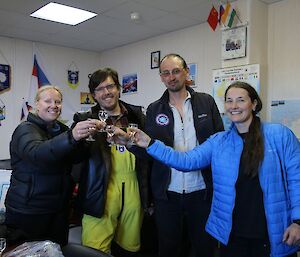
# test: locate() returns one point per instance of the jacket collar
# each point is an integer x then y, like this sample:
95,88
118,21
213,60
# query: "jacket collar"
37,120
53,130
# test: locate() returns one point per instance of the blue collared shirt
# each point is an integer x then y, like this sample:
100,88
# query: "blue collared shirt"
185,139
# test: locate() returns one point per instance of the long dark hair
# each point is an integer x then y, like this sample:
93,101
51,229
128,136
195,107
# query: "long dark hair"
254,141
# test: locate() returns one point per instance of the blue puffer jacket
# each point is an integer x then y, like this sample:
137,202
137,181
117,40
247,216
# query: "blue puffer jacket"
279,177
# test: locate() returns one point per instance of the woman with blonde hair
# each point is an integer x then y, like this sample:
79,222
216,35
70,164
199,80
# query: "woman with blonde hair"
42,152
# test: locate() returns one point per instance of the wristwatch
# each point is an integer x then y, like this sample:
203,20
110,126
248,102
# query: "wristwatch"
297,222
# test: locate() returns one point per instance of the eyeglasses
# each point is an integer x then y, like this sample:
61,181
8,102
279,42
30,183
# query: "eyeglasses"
166,73
109,88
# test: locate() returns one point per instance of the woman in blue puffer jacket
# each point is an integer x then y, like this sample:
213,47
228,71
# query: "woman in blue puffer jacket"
256,178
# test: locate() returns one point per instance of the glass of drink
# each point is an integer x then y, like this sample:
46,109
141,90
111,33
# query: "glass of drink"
90,137
103,116
110,132
132,133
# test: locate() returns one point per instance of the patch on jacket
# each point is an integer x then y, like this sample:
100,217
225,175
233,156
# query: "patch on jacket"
121,148
162,119
200,116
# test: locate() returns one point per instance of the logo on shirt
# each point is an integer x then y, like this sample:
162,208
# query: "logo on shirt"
162,119
121,148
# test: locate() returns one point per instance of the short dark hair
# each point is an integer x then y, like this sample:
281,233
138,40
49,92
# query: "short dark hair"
251,92
183,62
101,75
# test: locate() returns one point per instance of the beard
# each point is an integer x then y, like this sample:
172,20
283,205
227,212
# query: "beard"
176,87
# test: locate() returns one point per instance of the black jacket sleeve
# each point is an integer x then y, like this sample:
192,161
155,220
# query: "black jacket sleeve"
34,144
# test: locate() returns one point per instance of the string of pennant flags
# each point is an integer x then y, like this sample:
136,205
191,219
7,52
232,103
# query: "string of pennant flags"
225,17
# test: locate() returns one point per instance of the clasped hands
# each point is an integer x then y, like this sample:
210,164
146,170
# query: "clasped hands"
132,136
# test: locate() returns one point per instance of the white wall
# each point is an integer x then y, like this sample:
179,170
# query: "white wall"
56,60
197,44
284,50
273,42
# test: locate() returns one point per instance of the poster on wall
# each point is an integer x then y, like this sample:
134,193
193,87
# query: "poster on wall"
222,78
287,113
4,77
129,83
191,81
86,101
86,98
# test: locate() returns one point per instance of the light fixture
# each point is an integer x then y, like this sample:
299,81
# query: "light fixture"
62,14
134,16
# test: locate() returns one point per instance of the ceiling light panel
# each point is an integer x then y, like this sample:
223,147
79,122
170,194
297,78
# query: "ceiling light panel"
62,14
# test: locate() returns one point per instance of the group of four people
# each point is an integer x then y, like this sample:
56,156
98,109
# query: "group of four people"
240,187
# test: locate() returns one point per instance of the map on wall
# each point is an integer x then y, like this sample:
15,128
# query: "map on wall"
222,78
287,113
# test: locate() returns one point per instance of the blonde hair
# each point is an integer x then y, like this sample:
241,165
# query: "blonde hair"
45,88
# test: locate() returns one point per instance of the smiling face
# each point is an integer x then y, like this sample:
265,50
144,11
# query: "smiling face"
107,94
173,74
240,108
49,104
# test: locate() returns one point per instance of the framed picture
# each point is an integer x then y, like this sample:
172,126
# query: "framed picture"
155,59
129,83
234,43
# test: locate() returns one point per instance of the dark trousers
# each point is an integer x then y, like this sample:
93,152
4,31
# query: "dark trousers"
180,213
54,226
245,247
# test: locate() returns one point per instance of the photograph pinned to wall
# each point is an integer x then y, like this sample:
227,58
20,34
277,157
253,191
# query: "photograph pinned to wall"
129,83
4,77
191,80
86,98
155,59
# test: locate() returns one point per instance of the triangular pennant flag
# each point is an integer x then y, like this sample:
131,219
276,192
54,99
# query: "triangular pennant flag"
213,18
